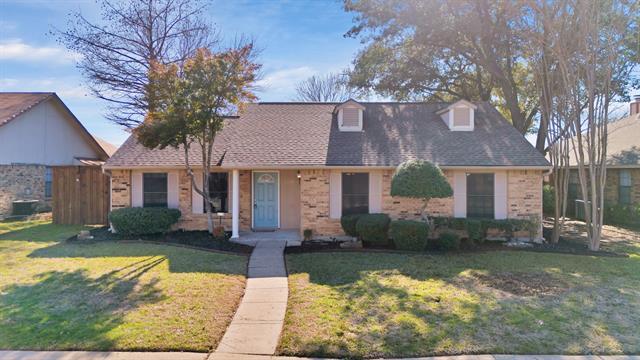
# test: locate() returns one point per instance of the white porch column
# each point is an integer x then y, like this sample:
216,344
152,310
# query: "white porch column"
235,204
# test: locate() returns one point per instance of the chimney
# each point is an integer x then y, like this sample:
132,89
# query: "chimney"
634,107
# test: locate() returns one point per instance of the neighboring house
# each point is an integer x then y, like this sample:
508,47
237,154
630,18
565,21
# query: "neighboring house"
38,132
303,165
623,161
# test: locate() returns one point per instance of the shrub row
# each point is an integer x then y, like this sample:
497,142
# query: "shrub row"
376,229
143,221
625,215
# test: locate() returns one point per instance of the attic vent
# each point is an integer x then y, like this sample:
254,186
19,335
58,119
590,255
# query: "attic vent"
459,116
350,116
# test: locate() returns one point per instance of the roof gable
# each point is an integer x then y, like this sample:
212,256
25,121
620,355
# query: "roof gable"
13,104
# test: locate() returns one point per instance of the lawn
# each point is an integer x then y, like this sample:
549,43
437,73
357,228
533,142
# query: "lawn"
111,296
398,305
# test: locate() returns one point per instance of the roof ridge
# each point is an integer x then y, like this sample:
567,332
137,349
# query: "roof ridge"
361,102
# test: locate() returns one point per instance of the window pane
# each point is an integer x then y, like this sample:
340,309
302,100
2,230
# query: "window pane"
624,195
480,195
48,181
625,178
154,189
355,193
219,191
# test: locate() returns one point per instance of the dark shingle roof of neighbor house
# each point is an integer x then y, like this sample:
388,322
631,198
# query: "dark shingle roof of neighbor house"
14,104
306,134
623,143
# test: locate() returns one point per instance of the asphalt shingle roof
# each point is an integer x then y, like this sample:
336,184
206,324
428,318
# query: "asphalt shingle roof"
623,143
306,134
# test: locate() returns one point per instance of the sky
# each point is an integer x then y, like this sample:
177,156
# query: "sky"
298,39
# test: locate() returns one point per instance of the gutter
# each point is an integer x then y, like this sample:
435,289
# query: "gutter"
316,167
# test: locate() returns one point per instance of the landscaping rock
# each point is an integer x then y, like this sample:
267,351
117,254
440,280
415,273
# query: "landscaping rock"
351,245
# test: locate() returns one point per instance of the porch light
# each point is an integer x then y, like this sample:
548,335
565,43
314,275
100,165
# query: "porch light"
299,175
220,216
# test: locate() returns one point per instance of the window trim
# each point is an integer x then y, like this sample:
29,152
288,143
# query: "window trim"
166,192
468,195
228,192
342,191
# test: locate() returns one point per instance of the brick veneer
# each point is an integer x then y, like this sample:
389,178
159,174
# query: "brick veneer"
120,189
524,198
611,191
20,182
524,195
410,209
191,221
314,204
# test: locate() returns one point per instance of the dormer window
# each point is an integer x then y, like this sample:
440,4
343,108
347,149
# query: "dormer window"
350,115
459,116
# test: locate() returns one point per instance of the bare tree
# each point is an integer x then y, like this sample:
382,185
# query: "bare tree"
329,88
118,51
590,37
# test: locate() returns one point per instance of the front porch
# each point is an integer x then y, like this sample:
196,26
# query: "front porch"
290,236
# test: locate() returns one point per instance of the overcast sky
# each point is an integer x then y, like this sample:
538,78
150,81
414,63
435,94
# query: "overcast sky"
298,39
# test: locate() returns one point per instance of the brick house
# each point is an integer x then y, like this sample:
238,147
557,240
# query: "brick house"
623,161
37,133
303,165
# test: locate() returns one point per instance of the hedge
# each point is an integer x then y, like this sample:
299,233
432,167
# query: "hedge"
409,235
143,221
348,223
477,228
448,241
373,228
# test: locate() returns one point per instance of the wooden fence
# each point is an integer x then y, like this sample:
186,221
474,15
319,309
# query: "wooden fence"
80,195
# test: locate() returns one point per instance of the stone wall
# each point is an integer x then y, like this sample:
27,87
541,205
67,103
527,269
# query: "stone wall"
20,182
410,209
314,204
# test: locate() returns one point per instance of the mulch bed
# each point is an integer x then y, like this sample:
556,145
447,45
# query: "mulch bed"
195,239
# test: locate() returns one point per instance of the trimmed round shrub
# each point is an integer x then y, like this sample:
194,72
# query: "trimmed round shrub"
448,241
420,179
143,221
349,222
409,235
373,228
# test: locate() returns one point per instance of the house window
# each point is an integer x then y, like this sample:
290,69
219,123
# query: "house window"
48,182
219,192
624,188
480,196
154,187
355,193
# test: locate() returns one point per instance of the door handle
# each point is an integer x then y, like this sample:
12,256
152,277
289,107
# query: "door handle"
255,205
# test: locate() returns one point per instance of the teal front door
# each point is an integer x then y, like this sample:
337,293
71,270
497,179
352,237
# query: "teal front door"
265,200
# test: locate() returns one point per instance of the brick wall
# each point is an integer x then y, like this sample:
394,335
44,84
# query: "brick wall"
191,221
410,209
524,196
314,204
20,182
120,189
611,191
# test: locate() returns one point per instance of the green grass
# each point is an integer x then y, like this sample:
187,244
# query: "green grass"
111,296
397,305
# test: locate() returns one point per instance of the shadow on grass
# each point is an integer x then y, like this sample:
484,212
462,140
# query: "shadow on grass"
70,310
180,260
397,305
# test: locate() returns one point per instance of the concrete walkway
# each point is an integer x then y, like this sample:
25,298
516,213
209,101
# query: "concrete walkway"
94,355
257,324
